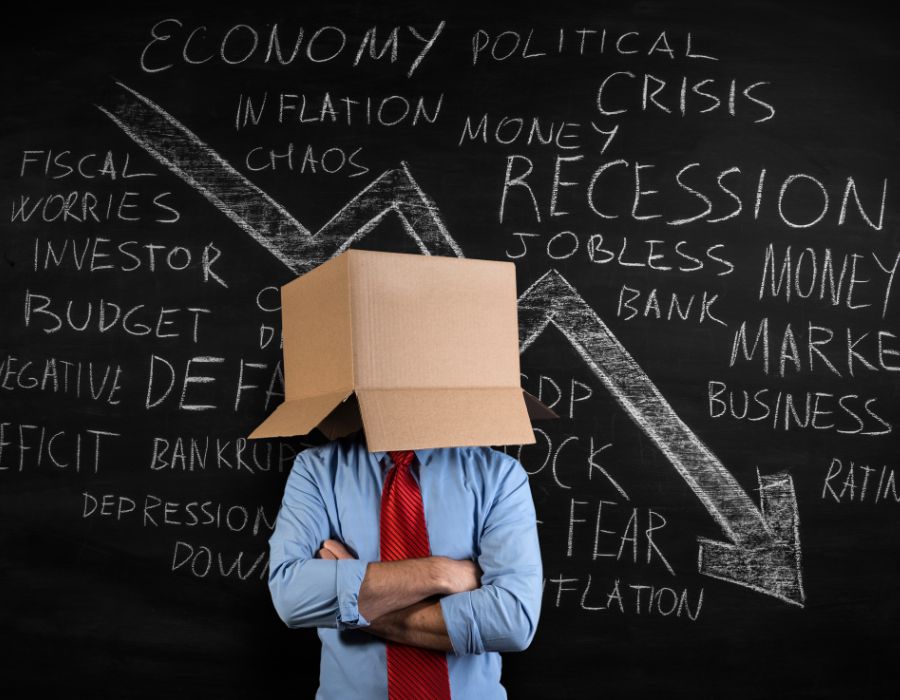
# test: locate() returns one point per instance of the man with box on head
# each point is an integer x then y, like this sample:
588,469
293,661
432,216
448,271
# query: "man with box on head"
409,543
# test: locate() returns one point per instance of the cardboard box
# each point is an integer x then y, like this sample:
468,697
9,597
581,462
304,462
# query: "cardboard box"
419,350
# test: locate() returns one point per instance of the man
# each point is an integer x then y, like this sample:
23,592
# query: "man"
325,570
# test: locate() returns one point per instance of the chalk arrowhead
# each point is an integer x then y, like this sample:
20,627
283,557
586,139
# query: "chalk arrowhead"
770,563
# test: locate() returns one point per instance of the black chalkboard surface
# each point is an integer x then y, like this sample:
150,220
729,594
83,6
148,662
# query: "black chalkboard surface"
701,204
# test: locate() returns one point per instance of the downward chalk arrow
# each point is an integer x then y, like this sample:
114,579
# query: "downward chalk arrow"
764,549
771,565
763,552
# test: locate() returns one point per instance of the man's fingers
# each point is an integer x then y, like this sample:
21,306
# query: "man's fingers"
337,548
326,554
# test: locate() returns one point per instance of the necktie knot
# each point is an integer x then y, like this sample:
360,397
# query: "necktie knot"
402,458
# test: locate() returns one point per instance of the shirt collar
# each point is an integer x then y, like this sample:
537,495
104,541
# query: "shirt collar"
423,455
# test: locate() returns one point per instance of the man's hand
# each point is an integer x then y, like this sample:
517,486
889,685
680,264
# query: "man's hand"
459,575
333,549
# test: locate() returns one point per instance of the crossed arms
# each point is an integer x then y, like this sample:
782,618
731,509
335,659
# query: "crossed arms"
433,602
398,597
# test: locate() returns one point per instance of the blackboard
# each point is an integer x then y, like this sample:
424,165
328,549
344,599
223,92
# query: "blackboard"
701,203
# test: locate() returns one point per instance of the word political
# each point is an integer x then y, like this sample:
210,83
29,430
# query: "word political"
512,44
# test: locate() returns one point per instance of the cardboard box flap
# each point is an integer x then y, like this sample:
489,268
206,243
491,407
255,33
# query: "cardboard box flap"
411,418
299,416
537,410
343,420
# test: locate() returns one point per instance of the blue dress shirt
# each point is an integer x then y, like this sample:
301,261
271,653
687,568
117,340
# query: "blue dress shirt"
477,504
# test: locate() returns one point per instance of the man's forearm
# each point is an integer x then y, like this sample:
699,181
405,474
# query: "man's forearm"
393,585
419,625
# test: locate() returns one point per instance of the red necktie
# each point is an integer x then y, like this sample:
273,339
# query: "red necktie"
413,673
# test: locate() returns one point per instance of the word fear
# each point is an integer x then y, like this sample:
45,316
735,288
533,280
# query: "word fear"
628,539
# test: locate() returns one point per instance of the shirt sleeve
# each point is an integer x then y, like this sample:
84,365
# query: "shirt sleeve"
502,614
307,591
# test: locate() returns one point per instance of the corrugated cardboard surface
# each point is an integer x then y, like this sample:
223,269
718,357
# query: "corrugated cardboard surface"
315,320
396,419
420,351
427,321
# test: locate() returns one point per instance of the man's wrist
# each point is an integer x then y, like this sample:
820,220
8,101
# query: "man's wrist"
440,576
420,625
382,624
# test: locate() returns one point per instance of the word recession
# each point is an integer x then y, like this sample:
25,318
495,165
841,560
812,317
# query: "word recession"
631,190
